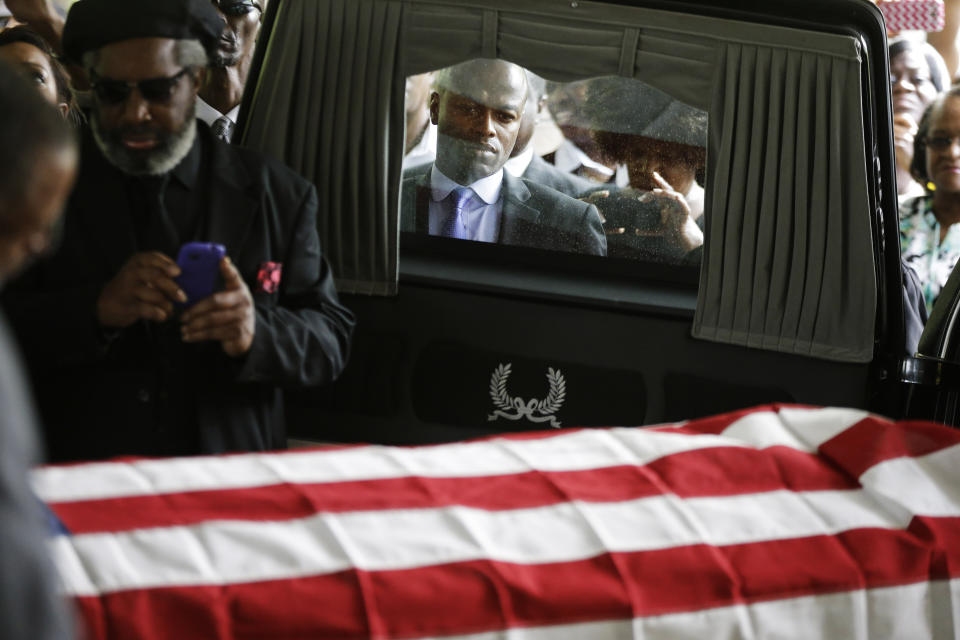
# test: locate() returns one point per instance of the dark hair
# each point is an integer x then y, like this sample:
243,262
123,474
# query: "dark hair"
28,127
618,147
938,68
65,95
918,165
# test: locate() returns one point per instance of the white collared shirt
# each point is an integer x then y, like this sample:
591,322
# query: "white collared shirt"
481,214
518,166
209,115
569,157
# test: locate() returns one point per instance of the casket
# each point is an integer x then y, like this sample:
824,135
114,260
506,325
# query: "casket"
774,522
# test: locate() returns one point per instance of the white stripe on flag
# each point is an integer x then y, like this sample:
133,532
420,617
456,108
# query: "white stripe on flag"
801,429
573,451
924,485
217,552
907,612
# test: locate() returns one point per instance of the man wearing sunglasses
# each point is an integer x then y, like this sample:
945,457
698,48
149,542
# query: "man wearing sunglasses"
124,365
219,101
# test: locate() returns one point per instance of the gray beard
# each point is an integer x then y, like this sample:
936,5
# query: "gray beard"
154,162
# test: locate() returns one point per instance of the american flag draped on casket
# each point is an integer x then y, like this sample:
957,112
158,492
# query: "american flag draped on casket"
776,522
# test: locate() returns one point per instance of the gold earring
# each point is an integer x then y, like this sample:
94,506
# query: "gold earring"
931,186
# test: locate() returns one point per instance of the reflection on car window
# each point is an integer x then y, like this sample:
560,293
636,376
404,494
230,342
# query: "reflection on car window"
606,166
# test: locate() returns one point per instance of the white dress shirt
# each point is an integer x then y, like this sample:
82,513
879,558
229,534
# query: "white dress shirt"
209,115
569,157
481,214
518,166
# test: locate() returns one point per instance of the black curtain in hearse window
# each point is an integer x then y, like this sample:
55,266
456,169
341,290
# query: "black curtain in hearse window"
326,103
788,259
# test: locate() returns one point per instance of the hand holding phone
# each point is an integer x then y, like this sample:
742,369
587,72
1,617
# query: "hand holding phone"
199,264
228,316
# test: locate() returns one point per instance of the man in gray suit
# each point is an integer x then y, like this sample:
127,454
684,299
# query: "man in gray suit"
34,183
478,107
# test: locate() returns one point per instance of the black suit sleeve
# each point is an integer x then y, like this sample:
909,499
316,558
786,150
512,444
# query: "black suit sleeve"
303,338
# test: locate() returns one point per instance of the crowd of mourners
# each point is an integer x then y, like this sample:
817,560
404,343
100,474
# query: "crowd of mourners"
926,109
162,283
152,89
924,69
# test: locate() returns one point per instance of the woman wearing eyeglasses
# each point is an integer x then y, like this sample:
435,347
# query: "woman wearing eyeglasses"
917,75
929,233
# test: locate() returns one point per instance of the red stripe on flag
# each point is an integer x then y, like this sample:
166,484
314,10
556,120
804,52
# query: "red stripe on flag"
295,608
717,471
717,424
477,596
944,535
870,442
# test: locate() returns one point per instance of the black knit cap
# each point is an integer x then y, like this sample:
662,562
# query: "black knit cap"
91,24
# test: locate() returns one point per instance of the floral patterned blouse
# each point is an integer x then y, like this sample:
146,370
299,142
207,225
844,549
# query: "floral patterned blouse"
921,248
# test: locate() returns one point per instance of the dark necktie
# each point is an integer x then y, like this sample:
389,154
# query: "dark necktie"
453,226
161,233
222,128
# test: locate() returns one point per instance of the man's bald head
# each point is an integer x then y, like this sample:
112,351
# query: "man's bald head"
477,107
477,79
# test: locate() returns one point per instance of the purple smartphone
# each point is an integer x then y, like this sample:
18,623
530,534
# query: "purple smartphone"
199,264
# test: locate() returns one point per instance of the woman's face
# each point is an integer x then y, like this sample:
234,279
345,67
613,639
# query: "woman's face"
943,146
674,163
910,81
35,65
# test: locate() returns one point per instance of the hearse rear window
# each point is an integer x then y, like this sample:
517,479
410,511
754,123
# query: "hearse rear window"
606,166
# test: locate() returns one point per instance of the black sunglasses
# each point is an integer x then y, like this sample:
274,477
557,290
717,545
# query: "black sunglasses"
237,7
156,90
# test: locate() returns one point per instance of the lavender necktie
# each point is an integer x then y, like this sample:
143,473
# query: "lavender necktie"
454,226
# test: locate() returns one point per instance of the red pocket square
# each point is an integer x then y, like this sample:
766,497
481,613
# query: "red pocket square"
268,277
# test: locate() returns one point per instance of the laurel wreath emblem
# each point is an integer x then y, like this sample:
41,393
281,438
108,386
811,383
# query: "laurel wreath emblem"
533,410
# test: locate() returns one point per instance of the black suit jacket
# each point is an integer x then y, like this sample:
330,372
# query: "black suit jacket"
98,390
532,215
